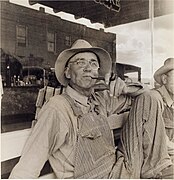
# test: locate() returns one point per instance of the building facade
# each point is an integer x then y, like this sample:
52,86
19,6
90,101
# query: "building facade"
38,38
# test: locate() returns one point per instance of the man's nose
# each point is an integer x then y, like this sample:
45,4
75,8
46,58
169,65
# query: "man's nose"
87,67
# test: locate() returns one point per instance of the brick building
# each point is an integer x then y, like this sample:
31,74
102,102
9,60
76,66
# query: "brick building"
37,37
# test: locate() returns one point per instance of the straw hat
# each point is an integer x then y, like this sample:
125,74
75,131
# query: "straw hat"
81,46
168,66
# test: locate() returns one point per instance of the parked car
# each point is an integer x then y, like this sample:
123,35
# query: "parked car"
33,76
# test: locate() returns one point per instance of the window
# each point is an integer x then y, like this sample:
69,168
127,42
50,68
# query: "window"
51,42
68,40
21,33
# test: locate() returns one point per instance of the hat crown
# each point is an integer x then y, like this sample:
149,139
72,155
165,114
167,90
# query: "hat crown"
169,61
168,66
80,43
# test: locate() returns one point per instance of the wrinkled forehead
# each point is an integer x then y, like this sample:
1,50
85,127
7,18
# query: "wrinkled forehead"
85,56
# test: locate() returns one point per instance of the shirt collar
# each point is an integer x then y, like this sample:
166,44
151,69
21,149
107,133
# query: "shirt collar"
77,96
166,96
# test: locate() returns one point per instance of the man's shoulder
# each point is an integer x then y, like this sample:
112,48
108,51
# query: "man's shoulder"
57,101
152,95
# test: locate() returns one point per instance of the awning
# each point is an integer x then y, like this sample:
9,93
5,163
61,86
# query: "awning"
110,12
10,62
12,56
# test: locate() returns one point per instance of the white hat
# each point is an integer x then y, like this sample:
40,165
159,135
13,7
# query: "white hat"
168,66
81,46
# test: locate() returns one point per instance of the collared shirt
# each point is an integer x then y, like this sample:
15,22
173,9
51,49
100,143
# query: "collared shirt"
54,135
79,99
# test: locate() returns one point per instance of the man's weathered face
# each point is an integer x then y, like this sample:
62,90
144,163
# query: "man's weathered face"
168,81
81,68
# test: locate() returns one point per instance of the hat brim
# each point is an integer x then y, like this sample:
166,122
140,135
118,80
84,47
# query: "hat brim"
103,55
163,70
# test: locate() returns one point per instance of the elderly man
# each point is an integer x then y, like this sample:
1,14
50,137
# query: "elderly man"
165,77
72,131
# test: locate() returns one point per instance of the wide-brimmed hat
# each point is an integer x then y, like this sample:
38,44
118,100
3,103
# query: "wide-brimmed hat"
168,66
81,46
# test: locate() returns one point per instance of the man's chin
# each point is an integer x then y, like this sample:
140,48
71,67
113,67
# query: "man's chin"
87,86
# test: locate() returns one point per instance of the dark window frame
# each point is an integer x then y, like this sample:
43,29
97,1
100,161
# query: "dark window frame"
51,40
22,35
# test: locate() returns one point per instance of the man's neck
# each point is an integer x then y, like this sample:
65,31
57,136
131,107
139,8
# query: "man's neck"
166,95
85,92
171,94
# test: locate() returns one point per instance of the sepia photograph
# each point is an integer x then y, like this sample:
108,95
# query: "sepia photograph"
87,89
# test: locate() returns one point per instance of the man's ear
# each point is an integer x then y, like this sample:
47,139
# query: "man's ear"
164,78
67,73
